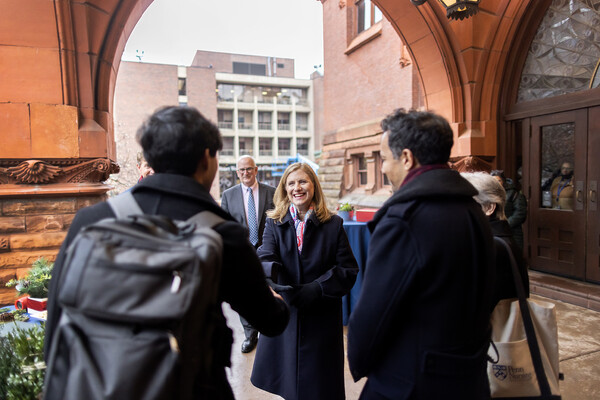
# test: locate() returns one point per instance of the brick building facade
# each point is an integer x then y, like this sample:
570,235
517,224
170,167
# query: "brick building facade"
368,75
260,108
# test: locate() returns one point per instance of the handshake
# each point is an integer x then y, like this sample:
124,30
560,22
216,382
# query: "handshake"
301,295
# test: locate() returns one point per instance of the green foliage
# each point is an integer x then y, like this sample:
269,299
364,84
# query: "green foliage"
21,363
35,284
346,207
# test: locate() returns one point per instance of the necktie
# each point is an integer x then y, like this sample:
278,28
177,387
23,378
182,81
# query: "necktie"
252,224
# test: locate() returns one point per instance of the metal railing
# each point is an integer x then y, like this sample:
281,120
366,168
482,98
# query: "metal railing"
225,125
265,126
285,152
283,127
244,125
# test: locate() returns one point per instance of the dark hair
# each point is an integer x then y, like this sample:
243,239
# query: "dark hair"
427,135
500,173
175,138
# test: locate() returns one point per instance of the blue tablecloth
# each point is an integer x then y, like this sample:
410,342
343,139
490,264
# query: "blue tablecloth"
7,327
358,236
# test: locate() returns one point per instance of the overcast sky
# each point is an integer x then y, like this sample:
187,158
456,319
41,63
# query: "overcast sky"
170,31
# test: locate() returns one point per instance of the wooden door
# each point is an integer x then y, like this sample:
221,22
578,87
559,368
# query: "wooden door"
557,221
592,271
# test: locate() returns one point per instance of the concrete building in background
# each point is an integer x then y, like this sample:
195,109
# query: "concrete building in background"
260,108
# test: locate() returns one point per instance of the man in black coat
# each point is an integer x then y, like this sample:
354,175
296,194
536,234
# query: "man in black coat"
237,201
420,329
181,146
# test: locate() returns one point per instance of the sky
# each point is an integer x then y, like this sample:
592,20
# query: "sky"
170,31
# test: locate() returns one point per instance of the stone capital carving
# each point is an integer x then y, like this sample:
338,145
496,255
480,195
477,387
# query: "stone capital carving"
35,172
470,164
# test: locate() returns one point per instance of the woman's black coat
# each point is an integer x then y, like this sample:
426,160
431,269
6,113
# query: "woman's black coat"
307,360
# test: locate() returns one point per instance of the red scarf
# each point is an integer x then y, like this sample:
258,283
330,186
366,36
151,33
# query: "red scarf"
412,174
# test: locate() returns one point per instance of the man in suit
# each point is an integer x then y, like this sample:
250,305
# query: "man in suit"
248,203
420,329
181,146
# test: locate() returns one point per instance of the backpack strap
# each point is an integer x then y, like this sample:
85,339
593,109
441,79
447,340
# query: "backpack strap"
206,218
125,205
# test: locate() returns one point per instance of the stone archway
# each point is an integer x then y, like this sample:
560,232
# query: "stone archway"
59,61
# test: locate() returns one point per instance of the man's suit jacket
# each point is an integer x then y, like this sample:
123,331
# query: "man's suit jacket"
232,201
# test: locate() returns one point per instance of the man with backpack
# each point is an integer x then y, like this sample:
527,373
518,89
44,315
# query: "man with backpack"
181,146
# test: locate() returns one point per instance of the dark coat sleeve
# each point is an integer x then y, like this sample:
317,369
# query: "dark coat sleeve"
341,276
243,283
269,252
390,273
519,210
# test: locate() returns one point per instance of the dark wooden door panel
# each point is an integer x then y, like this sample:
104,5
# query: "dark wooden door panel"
557,236
593,212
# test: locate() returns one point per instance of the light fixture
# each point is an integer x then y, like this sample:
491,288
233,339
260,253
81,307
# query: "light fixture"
456,9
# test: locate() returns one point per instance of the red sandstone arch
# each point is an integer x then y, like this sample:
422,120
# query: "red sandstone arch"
64,71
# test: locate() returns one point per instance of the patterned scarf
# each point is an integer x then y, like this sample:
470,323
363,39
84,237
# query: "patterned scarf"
300,225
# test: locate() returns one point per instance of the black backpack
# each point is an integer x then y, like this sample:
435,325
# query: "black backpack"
138,296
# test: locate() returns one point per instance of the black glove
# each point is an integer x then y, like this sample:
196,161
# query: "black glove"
279,288
307,295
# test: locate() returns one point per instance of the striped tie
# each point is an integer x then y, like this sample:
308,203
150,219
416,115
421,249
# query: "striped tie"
252,224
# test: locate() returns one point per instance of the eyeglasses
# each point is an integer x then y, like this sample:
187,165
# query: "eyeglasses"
246,170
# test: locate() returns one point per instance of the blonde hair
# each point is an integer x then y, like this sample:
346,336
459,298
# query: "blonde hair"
490,191
282,202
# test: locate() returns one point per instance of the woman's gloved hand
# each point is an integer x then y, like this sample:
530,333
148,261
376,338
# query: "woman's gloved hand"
279,288
306,295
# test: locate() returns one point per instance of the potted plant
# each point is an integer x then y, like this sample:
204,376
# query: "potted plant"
346,211
34,286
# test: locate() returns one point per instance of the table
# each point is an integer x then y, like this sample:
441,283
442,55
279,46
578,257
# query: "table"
358,236
7,327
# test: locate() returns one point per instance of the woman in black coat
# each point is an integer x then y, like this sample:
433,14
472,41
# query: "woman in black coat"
306,254
492,198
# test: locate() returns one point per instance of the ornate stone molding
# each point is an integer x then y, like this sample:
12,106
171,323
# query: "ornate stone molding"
470,164
34,172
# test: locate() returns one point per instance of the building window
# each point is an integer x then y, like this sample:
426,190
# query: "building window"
280,65
245,120
265,147
368,14
227,92
225,119
283,121
302,146
227,146
264,120
181,85
249,69
302,121
246,146
284,146
359,163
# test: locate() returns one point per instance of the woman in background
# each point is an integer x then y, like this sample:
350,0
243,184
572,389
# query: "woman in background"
308,260
492,199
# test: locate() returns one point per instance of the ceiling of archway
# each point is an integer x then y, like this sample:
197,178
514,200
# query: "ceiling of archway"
564,54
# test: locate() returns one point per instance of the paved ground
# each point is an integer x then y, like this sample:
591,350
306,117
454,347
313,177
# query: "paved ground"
579,341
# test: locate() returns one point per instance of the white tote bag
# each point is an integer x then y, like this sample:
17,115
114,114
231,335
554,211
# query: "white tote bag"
525,344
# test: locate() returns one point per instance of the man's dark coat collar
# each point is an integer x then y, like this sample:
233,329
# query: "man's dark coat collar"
443,183
183,186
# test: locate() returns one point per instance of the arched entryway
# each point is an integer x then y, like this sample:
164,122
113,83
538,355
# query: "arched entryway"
552,114
59,62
